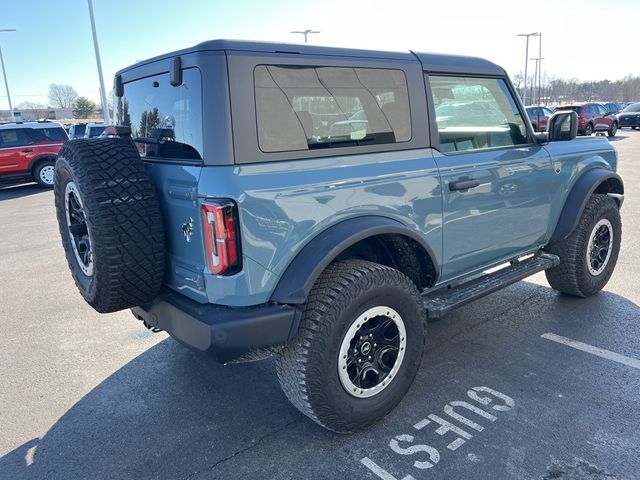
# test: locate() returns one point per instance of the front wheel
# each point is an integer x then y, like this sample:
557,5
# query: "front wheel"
613,130
588,256
358,347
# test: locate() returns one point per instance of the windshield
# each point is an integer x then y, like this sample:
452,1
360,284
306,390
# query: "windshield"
632,108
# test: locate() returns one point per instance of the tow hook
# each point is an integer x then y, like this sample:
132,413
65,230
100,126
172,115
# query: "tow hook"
150,326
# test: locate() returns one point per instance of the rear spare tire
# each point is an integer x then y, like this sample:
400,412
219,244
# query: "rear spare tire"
110,223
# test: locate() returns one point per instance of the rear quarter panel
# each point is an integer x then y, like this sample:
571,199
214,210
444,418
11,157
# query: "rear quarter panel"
283,205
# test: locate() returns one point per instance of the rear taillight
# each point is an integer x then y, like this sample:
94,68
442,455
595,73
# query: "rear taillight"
220,224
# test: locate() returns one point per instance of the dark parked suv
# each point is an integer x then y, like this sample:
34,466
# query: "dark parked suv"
630,116
593,117
317,204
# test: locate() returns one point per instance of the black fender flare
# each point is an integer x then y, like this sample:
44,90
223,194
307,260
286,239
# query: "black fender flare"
595,180
42,156
303,271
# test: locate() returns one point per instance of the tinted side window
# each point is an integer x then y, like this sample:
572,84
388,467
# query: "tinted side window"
49,134
14,138
303,108
476,113
165,121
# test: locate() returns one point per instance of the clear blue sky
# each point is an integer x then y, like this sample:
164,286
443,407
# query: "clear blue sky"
587,39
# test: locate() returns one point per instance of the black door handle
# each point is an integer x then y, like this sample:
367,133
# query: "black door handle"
26,150
463,185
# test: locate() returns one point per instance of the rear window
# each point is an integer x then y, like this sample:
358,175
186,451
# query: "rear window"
95,131
165,121
305,108
78,130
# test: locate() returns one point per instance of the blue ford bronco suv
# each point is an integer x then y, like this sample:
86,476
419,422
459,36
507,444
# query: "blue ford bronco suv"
319,204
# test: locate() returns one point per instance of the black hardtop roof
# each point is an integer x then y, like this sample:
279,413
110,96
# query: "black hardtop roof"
440,63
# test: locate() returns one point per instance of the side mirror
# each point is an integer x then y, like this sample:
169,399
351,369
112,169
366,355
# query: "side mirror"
563,126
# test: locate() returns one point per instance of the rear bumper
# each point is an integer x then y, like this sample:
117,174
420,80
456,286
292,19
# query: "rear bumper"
226,333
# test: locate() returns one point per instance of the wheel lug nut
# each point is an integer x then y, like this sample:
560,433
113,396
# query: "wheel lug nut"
371,335
359,360
375,344
369,357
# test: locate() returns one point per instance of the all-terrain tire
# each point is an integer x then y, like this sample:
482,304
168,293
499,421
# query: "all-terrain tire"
572,276
308,366
124,225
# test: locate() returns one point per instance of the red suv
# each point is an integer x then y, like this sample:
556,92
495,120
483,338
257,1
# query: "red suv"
592,117
28,151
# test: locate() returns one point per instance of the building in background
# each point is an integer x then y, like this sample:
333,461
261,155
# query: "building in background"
32,114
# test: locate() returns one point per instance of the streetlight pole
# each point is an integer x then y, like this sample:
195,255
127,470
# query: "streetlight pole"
4,74
534,82
103,95
305,33
540,68
538,76
526,62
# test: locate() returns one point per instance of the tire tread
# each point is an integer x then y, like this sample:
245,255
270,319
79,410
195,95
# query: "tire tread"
124,217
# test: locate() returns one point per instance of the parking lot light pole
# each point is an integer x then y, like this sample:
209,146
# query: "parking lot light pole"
540,67
4,74
526,62
538,79
305,33
103,95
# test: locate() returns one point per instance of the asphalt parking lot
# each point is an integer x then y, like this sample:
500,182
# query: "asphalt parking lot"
95,396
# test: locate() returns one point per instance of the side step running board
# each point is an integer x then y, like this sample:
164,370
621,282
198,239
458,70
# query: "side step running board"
442,301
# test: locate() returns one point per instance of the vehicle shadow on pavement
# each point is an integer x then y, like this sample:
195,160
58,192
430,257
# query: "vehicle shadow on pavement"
167,413
17,191
618,137
172,413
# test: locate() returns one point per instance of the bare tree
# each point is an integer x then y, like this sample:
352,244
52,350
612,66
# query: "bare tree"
62,96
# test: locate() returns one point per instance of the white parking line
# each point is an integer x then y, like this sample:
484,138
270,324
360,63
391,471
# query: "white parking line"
381,472
599,352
